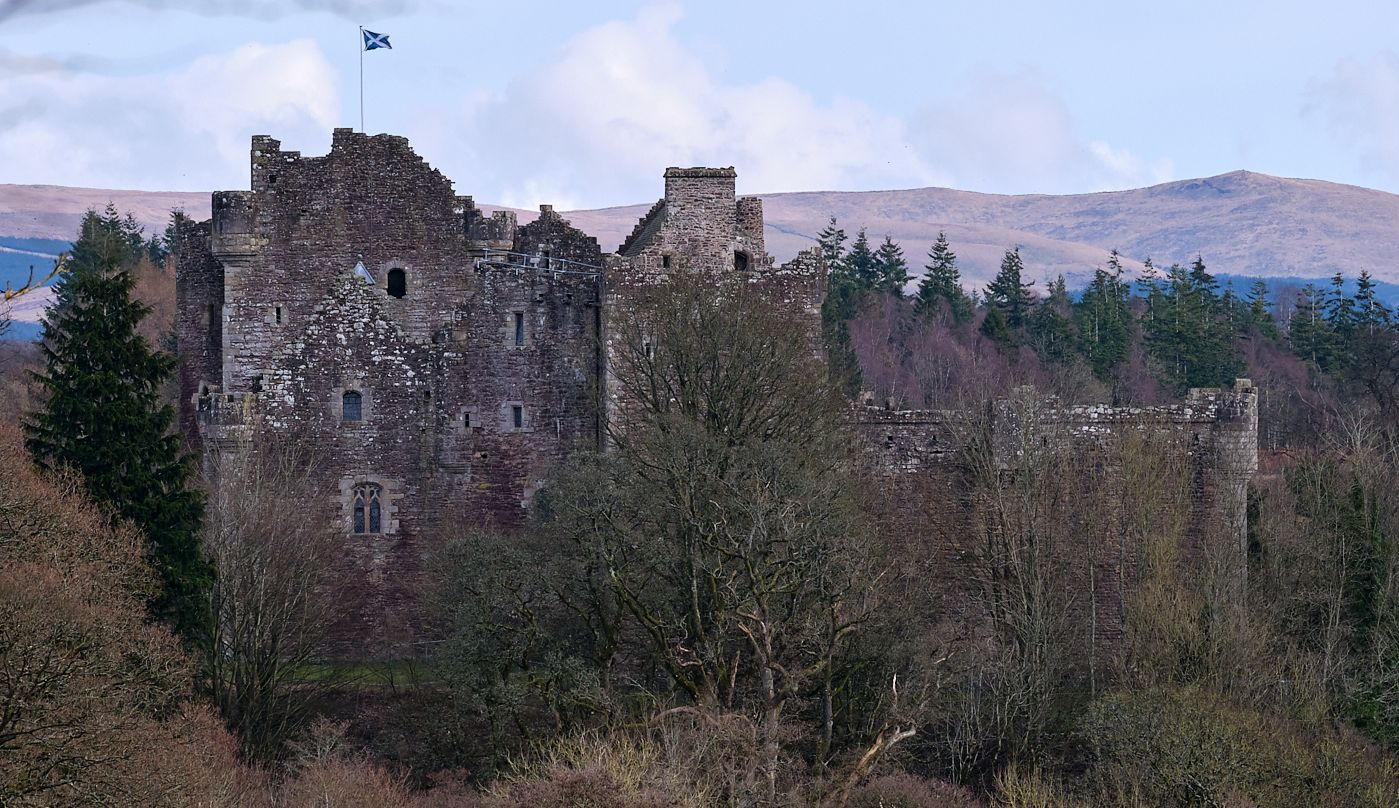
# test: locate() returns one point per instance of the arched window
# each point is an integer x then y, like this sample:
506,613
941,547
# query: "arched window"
398,283
351,405
368,509
740,261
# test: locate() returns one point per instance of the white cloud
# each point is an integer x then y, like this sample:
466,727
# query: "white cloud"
1011,133
1359,103
185,130
625,99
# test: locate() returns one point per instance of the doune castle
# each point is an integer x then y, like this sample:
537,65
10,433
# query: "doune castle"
443,361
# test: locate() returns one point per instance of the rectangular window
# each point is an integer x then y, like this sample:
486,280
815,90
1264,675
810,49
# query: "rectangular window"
518,414
665,262
519,328
278,313
545,262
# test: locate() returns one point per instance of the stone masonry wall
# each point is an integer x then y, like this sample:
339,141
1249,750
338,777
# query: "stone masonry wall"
300,269
918,460
479,351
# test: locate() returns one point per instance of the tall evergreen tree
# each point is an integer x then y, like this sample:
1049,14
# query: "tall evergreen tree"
831,242
862,264
891,269
1308,332
1051,326
995,328
1340,313
104,419
844,297
1370,313
942,283
1190,338
1260,319
1104,319
1008,293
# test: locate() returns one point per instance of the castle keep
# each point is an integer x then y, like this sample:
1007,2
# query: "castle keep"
438,362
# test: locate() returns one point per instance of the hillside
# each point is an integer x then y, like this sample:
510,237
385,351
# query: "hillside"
1243,223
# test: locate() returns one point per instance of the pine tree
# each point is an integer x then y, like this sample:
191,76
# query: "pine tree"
831,242
1340,314
995,327
942,283
1007,293
1051,326
891,269
1104,319
1370,313
1190,338
1260,319
844,297
862,264
104,419
1309,333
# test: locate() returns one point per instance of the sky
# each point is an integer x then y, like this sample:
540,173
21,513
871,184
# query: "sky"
583,104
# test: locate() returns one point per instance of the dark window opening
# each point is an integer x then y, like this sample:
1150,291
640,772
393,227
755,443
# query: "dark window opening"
518,414
278,313
519,328
367,504
544,262
665,262
351,406
398,283
741,261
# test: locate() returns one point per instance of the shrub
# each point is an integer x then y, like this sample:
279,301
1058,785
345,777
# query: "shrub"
903,790
1191,747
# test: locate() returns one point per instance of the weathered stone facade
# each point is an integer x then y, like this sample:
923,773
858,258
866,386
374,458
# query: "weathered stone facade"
438,363
920,461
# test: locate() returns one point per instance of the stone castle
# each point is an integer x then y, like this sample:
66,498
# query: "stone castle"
441,361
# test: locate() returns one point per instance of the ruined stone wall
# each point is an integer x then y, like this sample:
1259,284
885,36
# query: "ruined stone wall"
550,238
198,323
921,464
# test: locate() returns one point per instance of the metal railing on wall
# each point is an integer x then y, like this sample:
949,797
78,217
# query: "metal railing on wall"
507,259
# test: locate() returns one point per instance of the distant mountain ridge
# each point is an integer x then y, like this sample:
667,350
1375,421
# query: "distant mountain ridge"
1242,223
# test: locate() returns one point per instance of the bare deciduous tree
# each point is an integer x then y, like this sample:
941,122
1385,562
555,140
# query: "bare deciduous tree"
273,600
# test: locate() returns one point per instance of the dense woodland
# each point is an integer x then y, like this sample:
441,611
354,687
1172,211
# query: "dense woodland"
709,613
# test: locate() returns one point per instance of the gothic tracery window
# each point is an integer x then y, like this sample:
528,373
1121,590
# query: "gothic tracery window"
368,509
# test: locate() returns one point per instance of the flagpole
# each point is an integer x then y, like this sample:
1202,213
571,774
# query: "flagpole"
361,79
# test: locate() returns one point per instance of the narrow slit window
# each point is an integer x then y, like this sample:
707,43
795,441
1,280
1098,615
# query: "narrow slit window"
398,283
351,406
519,320
545,262
517,414
277,312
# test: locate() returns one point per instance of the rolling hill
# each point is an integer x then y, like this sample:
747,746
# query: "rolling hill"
1244,224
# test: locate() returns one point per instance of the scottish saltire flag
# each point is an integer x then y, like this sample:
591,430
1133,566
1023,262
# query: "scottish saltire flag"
373,40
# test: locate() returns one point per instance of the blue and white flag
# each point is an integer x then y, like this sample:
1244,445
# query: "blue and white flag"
373,40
